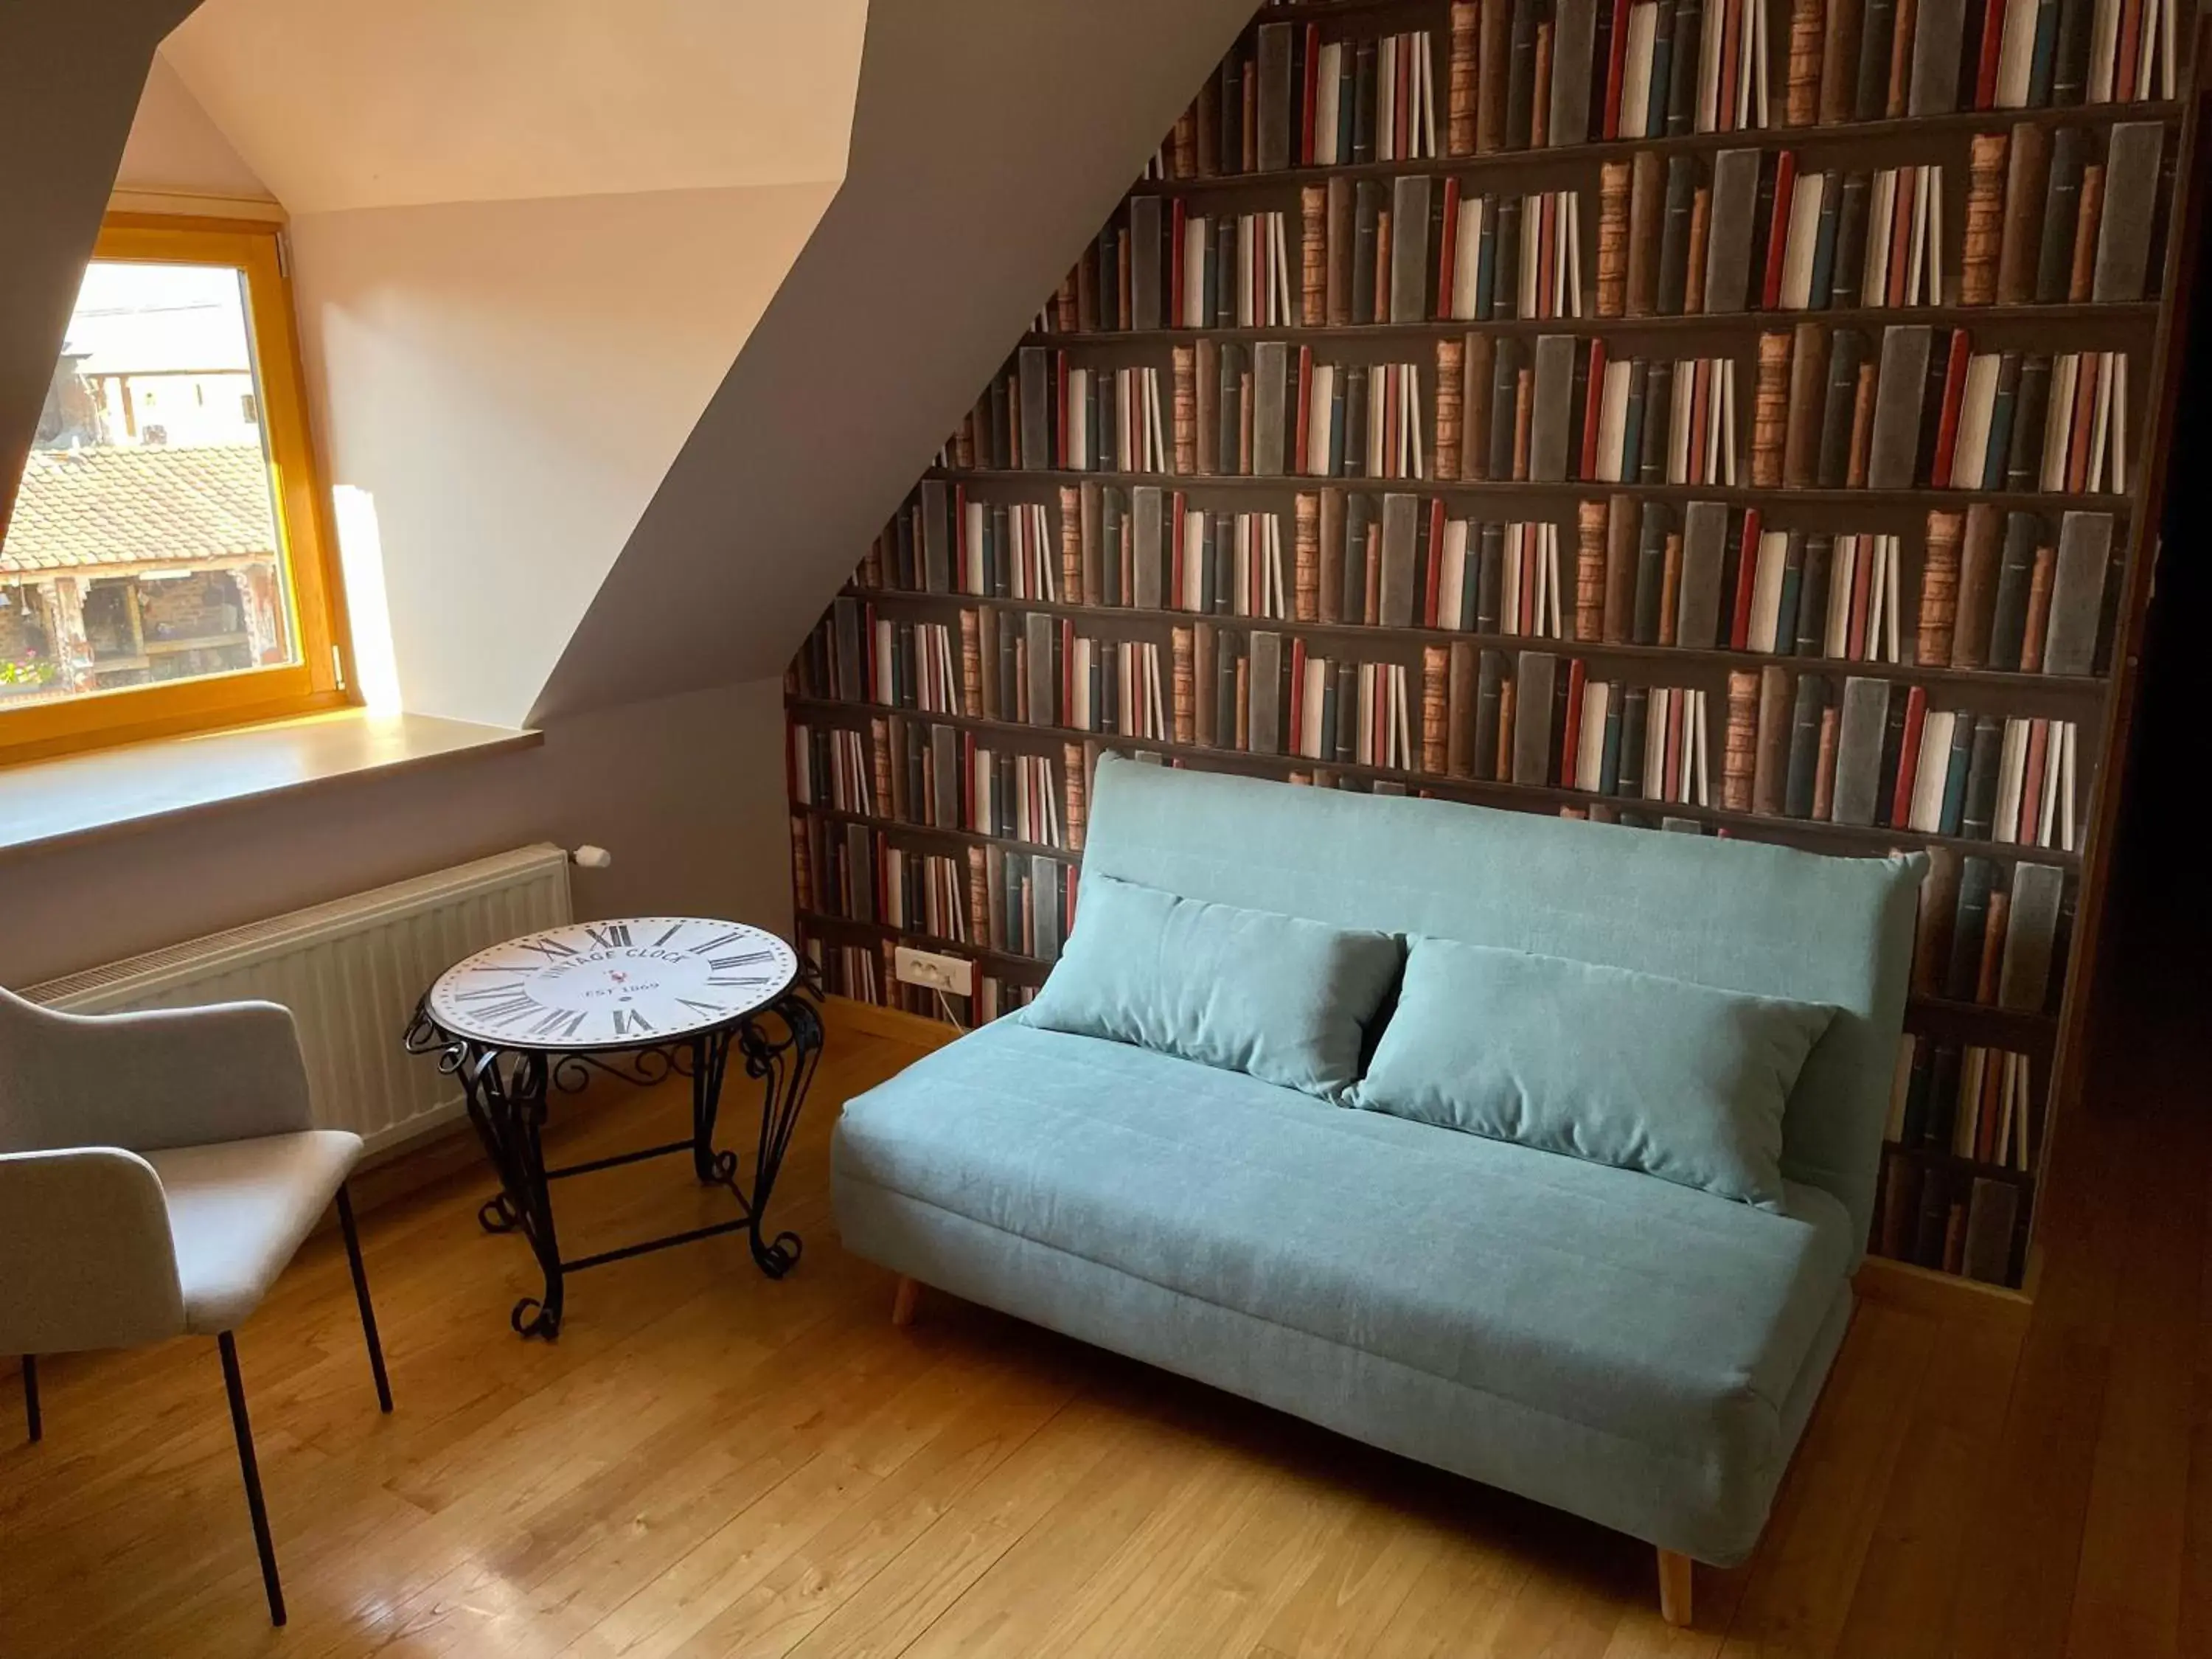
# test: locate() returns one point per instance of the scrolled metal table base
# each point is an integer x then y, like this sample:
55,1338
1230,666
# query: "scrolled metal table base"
507,1089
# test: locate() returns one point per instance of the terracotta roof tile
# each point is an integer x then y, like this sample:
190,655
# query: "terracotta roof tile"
114,506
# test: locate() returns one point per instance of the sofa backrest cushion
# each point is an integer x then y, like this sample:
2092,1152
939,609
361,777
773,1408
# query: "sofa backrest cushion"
1283,998
1742,916
1678,1080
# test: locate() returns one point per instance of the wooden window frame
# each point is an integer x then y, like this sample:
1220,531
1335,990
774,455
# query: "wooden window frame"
322,680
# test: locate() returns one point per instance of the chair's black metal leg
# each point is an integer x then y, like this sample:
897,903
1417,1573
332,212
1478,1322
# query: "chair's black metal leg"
31,1398
251,1471
361,1295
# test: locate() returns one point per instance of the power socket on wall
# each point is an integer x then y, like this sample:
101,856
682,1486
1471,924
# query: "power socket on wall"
955,976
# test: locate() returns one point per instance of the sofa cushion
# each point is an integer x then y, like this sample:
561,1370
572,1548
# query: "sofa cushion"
1632,1306
1740,914
1286,999
1681,1081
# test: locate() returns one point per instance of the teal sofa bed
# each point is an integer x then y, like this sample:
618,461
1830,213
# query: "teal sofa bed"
1635,1351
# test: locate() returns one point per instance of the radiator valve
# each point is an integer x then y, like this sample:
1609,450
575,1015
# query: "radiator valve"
588,857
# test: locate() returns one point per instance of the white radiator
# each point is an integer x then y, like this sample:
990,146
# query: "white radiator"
351,972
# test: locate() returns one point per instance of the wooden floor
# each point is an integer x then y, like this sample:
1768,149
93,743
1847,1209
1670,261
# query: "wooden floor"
710,1464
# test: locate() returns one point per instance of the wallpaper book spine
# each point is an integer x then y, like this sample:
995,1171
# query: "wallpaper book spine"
2131,189
1985,175
2021,246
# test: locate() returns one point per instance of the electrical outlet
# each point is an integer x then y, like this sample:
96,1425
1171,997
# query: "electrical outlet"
953,975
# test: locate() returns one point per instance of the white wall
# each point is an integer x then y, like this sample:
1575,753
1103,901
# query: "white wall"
175,149
507,381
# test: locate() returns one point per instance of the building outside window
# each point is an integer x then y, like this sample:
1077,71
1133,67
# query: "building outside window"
162,565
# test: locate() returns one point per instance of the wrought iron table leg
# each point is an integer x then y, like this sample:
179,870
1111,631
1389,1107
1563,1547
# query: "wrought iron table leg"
508,1106
785,1069
710,1054
477,1069
498,1213
526,1108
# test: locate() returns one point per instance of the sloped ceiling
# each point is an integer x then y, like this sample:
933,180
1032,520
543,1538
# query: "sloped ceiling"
990,139
340,106
69,78
507,381
174,148
529,238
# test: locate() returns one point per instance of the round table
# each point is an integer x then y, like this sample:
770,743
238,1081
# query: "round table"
641,998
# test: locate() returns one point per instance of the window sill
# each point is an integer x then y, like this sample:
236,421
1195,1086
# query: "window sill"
44,804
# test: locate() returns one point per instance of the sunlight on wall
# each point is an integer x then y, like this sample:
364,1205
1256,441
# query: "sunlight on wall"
361,560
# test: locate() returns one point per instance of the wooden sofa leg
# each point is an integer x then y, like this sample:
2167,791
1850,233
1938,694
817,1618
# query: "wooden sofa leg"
904,1300
1674,1588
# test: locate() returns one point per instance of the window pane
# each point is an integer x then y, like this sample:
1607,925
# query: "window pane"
144,548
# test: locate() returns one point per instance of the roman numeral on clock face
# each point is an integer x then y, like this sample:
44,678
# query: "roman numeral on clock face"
553,990
558,1023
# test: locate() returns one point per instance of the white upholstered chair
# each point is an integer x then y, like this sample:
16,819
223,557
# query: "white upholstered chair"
157,1171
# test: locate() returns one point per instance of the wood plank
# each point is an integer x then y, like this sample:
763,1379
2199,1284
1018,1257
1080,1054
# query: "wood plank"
1351,1591
1938,1295
1295,1523
899,1604
2128,1597
1901,1605
2194,1638
1643,1633
1800,1586
916,1030
1457,1605
2018,1576
1566,1615
1117,1610
1006,1611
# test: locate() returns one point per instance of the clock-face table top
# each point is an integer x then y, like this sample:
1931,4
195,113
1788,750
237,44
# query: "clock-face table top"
620,984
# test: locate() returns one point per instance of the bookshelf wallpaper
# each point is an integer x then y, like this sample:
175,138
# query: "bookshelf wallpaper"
1719,417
